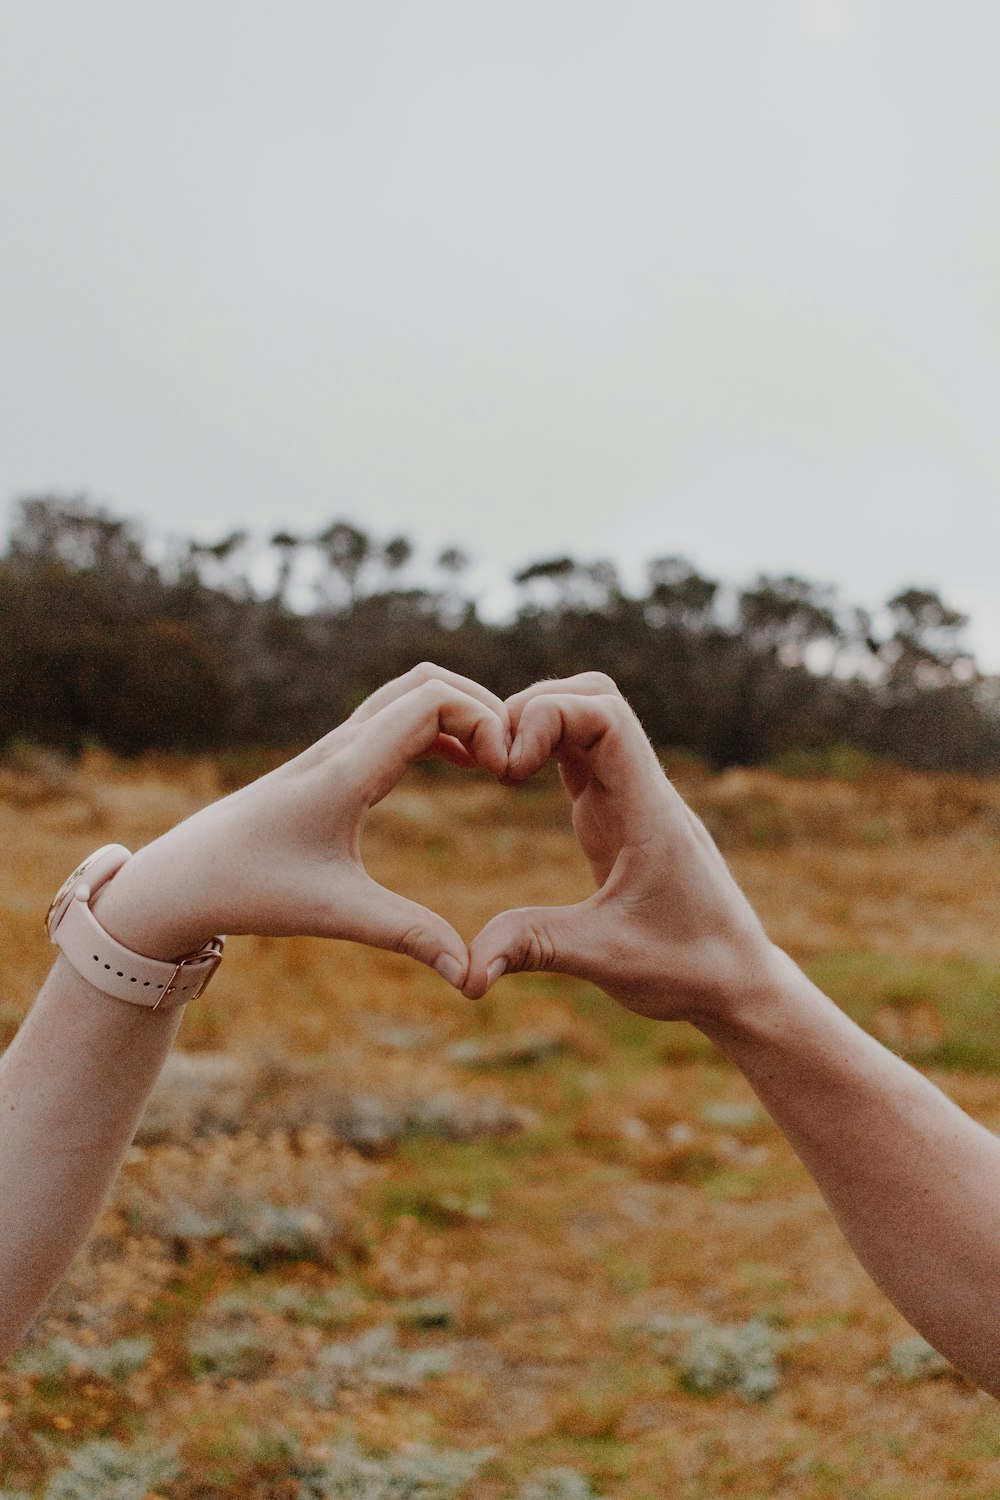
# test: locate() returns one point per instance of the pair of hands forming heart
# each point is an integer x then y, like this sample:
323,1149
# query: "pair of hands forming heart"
667,931
912,1181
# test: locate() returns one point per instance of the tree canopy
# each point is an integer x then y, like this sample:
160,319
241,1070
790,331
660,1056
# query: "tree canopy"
110,636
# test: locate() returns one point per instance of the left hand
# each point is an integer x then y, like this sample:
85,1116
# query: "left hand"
667,932
281,856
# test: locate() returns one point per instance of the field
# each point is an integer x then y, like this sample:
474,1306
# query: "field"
376,1242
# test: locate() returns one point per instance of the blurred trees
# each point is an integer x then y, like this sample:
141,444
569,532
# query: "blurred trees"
89,647
106,636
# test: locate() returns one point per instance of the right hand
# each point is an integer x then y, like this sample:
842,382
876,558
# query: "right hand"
668,932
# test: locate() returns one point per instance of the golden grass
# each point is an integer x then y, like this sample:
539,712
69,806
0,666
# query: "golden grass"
518,1189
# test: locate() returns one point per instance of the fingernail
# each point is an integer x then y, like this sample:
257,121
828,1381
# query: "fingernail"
496,968
515,752
450,969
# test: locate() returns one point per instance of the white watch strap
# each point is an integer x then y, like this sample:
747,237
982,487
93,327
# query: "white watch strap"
116,970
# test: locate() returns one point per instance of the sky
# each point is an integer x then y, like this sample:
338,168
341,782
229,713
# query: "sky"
624,279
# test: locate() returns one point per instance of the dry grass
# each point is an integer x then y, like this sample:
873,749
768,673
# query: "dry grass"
383,1241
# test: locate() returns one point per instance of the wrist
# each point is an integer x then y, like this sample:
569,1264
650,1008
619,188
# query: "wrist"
721,984
147,907
168,973
760,1009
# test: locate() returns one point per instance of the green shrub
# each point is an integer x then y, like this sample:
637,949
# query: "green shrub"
709,1358
258,1200
375,1358
914,1358
105,1470
845,762
424,1312
350,1474
557,1484
61,1356
330,1308
237,1353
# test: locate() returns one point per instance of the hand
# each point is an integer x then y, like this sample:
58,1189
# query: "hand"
282,856
667,932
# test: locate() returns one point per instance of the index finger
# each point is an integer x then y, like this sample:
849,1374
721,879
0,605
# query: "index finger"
584,684
410,727
592,736
426,671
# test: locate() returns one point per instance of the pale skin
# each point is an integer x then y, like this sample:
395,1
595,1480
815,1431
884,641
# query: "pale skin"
913,1182
279,857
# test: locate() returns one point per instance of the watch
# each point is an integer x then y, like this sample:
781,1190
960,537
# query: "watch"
107,964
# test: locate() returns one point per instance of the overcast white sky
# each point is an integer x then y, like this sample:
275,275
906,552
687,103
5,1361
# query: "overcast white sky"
625,278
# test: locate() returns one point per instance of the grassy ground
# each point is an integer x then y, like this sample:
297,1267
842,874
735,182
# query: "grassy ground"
371,1235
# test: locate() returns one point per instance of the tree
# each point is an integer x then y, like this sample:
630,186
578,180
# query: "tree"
679,596
82,538
102,638
453,561
575,586
215,563
286,544
925,649
345,549
783,617
397,553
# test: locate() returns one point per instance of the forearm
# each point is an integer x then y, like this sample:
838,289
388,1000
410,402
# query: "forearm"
913,1182
280,857
75,1080
73,1085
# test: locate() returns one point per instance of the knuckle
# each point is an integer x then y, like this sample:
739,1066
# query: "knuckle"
536,710
534,950
616,708
410,942
426,671
430,691
600,682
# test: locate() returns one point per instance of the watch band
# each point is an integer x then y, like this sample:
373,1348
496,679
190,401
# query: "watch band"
109,965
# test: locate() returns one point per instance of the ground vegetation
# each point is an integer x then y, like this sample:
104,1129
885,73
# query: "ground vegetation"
375,1242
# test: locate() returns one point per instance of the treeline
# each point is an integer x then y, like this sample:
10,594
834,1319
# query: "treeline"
109,636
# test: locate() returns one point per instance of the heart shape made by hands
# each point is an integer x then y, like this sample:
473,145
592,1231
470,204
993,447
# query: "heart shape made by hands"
623,808
430,713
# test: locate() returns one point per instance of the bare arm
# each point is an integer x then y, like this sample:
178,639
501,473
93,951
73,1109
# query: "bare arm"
278,857
72,1088
912,1180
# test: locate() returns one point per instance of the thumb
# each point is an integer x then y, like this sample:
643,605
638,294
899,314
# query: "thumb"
384,919
527,940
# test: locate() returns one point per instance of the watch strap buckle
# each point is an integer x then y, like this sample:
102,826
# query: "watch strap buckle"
209,957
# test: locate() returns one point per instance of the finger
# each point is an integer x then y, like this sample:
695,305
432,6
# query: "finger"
368,913
599,741
530,939
452,750
583,731
410,728
586,684
426,671
557,725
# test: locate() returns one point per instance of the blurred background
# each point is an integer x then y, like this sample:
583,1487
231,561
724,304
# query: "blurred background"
436,319
661,338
